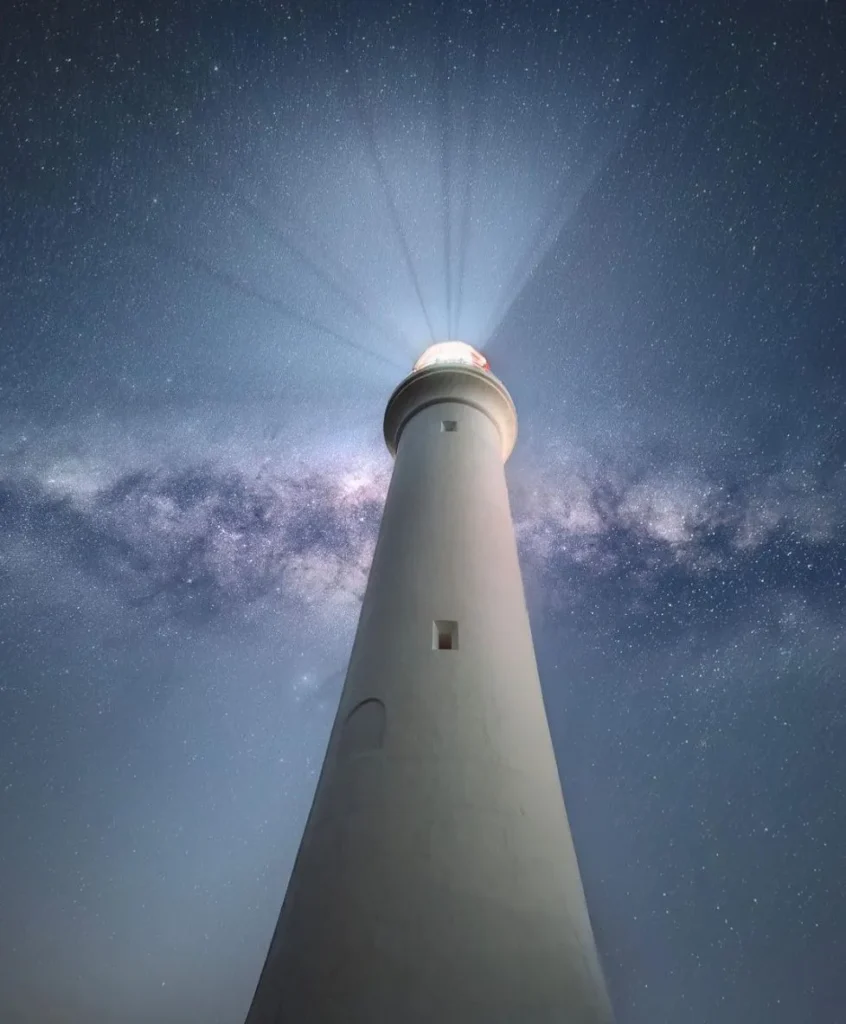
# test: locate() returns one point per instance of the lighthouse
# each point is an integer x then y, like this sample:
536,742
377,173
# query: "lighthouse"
436,881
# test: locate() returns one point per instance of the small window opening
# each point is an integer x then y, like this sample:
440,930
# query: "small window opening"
449,426
444,635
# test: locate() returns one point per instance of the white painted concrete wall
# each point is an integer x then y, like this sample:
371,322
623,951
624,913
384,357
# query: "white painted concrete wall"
437,880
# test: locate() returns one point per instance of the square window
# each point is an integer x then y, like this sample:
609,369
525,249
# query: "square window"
444,635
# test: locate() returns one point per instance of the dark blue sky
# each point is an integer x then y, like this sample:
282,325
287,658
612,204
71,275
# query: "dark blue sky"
227,232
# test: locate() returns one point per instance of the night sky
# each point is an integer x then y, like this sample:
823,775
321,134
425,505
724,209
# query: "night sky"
227,232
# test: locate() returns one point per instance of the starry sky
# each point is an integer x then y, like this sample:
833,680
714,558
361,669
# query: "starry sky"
227,232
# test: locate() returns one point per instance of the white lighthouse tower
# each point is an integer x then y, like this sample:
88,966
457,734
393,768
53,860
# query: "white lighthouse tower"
436,882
